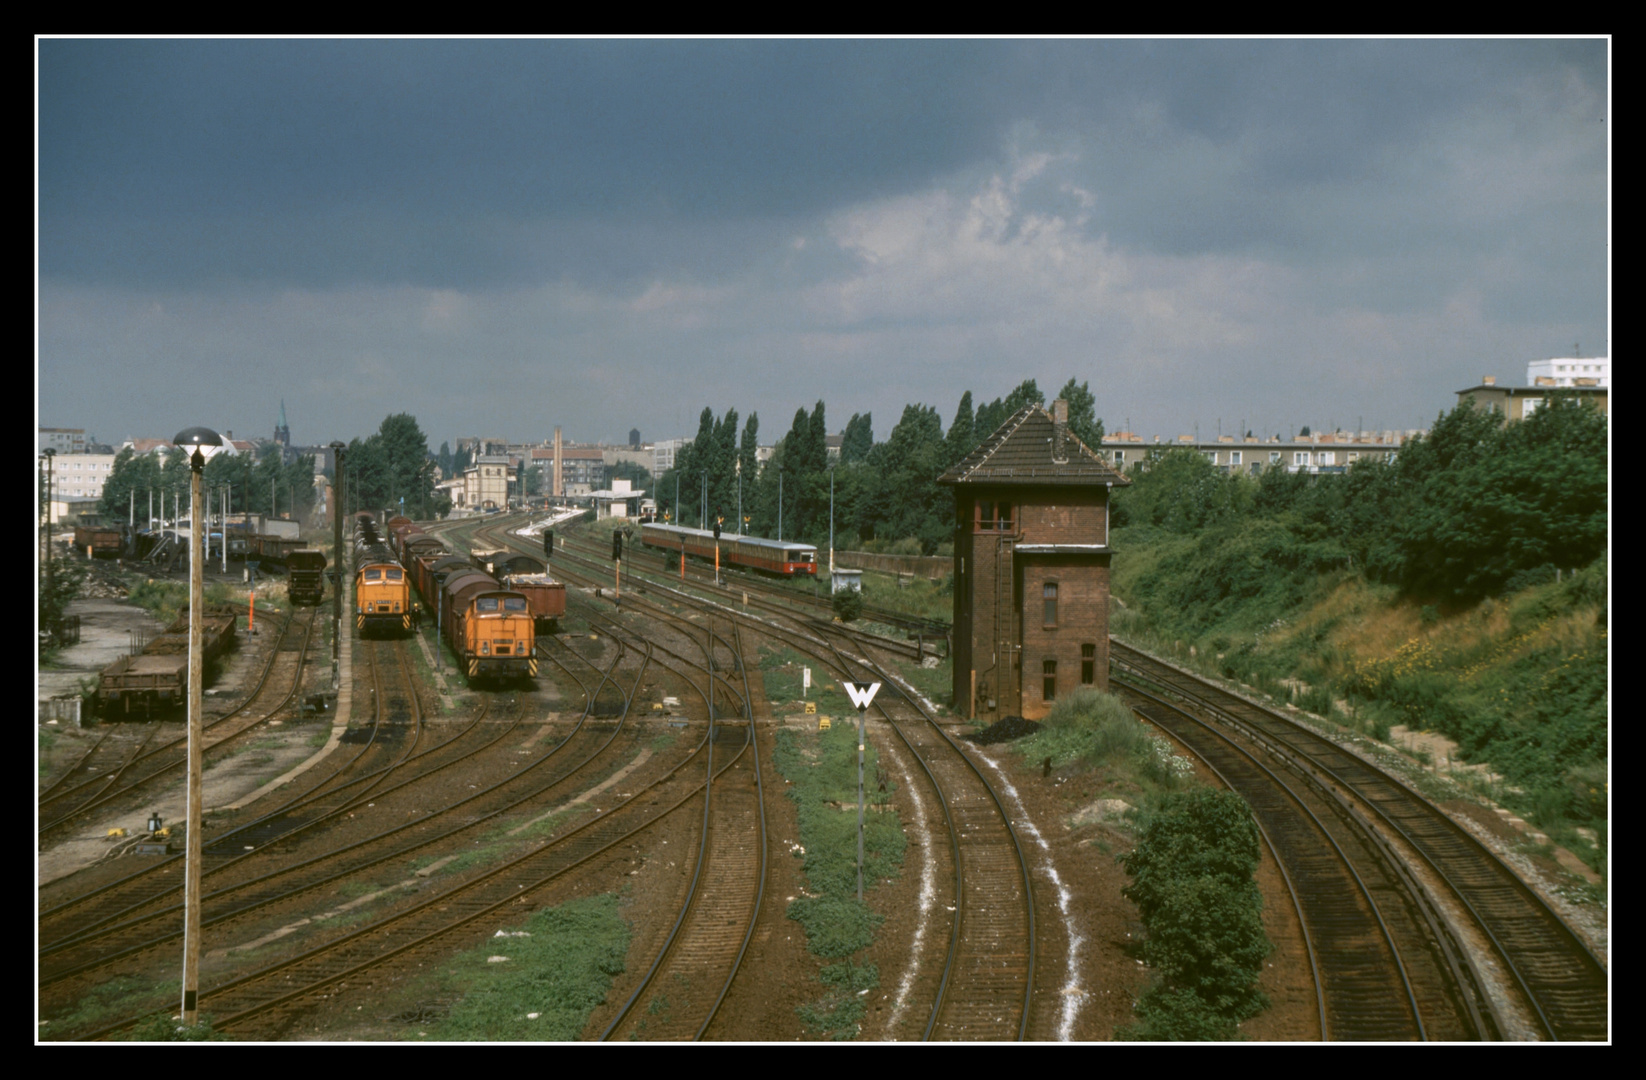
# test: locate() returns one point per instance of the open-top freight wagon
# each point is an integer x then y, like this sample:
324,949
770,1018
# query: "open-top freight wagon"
306,580
545,597
158,678
100,542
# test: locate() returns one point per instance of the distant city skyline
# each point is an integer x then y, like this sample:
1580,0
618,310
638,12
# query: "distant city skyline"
499,236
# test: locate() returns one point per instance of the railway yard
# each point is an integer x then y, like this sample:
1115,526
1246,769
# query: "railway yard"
389,862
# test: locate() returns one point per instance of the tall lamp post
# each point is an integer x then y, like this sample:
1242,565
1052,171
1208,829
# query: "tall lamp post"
831,531
337,449
197,442
46,561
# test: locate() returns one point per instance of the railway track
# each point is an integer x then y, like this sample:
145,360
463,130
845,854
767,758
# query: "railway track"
265,1000
698,960
1548,974
60,806
987,981
79,923
986,985
1382,969
355,859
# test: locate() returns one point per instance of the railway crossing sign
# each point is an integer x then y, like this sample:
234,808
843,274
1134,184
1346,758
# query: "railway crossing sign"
861,694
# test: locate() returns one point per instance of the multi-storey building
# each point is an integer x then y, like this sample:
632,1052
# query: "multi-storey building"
60,440
1031,592
1324,452
1519,402
1571,371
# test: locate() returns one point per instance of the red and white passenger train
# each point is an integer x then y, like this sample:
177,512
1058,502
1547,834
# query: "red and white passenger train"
784,557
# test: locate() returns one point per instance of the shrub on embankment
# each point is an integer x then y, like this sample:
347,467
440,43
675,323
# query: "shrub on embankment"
1192,883
1462,588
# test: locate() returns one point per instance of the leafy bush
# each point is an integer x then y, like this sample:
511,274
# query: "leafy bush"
848,604
1192,884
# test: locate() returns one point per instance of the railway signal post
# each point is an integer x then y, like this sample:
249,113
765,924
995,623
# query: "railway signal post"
197,442
861,694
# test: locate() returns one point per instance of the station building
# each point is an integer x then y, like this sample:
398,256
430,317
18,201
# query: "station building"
1031,596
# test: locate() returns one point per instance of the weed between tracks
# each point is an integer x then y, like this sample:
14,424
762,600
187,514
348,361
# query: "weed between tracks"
821,768
539,980
122,995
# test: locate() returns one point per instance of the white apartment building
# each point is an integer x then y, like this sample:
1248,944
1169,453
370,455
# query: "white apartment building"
1570,371
80,475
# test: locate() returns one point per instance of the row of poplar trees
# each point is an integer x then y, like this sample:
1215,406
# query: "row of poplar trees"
881,491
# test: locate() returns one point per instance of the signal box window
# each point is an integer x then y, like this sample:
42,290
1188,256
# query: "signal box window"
1088,664
1049,597
1048,679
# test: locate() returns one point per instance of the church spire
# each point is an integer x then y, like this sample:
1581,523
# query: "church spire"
282,433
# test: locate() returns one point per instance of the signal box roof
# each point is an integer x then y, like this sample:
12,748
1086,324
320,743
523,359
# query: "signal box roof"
1024,451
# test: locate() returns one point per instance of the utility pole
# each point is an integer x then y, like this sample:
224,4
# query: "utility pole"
50,491
337,573
200,440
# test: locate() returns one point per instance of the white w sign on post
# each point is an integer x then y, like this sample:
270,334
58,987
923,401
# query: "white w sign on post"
861,694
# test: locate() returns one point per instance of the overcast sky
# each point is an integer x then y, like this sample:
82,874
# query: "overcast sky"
502,236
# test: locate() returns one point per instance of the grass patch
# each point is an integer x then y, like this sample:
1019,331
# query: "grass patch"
784,675
112,999
822,771
936,684
1098,730
550,983
1518,681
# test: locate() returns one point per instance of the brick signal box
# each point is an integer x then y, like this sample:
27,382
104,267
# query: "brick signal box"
1031,596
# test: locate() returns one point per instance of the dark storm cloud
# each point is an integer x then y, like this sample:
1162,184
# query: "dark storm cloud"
425,154
469,162
1286,228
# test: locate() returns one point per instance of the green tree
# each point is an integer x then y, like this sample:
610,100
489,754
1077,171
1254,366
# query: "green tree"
1083,421
1194,890
960,440
133,475
1492,500
858,438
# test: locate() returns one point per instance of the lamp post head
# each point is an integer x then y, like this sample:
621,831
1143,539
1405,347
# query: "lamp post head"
199,443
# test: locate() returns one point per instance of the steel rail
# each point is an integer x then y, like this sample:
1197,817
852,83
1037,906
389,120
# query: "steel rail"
1587,974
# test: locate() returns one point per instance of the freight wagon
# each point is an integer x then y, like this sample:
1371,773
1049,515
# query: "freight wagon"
98,541
158,678
307,581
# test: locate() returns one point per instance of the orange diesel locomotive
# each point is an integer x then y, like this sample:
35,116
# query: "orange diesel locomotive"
382,592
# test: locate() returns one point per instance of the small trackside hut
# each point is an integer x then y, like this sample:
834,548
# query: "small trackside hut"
1031,596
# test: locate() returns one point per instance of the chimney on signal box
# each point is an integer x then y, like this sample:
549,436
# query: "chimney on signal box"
1060,430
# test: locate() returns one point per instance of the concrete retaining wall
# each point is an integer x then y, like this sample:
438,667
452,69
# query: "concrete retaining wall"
926,566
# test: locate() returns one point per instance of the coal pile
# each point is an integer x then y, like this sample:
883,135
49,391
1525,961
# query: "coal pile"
1005,729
